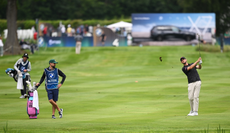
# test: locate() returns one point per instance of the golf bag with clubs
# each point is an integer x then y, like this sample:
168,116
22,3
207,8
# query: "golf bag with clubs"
32,102
12,73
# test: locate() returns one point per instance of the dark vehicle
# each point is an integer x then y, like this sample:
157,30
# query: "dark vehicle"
162,32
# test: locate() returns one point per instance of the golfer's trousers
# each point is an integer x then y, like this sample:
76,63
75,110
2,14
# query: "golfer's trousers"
78,47
193,95
1,50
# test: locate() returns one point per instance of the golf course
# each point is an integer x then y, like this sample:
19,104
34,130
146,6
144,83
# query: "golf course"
121,89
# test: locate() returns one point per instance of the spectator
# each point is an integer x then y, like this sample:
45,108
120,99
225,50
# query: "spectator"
73,31
226,35
45,31
82,30
90,29
86,28
103,38
33,29
63,30
22,42
54,33
69,30
1,46
79,30
35,35
59,30
50,31
125,32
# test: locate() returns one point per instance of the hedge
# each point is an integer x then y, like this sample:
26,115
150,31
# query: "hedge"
3,25
27,24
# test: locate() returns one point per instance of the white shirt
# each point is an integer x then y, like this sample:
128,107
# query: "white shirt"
63,29
18,62
1,43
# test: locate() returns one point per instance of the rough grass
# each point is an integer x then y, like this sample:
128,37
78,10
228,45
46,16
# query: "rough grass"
128,89
212,48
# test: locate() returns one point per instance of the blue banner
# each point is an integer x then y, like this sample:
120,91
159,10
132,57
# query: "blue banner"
63,41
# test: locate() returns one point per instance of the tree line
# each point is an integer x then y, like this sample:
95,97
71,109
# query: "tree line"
14,10
88,9
112,9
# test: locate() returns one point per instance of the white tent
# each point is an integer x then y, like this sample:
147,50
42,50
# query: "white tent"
121,24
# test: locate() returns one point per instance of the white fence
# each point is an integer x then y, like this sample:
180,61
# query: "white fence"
22,34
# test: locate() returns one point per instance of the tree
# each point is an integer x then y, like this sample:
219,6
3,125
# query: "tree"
220,7
109,9
12,38
3,4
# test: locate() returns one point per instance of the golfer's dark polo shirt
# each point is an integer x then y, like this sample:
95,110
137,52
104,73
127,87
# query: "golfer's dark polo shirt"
192,75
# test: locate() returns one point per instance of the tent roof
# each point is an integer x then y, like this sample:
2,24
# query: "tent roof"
121,24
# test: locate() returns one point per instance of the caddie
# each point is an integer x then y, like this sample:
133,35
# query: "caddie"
23,67
51,74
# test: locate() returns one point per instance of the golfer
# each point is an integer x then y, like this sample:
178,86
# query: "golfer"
23,66
194,83
51,74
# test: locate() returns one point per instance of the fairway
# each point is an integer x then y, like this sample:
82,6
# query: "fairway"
121,89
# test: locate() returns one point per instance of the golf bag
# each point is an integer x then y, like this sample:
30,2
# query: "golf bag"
12,73
32,102
31,111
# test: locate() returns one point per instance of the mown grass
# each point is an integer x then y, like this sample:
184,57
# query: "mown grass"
121,89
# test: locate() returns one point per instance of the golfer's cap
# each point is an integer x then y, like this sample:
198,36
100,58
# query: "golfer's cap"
181,58
25,55
53,61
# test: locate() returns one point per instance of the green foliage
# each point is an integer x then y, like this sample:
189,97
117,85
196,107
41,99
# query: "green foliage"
220,8
219,130
27,24
206,130
89,9
3,25
5,129
22,24
212,48
114,9
3,8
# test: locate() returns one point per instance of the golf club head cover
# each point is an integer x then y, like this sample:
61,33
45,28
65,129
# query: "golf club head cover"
34,86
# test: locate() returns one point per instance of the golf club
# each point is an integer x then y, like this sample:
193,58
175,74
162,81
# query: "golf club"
199,43
199,47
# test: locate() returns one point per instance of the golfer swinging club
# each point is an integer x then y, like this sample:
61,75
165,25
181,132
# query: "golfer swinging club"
194,83
52,85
